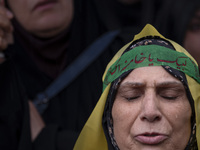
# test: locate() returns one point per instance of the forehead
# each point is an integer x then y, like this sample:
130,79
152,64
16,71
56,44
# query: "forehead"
152,75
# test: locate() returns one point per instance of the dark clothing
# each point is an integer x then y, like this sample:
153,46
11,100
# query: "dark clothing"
173,19
68,111
14,112
49,55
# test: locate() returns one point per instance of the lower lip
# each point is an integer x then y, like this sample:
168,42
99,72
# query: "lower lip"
45,6
151,140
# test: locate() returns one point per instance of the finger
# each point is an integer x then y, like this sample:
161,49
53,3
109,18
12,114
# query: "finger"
6,27
5,18
5,24
5,41
6,12
9,14
3,44
5,15
2,2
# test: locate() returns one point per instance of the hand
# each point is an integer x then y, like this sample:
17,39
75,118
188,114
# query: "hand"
6,28
36,121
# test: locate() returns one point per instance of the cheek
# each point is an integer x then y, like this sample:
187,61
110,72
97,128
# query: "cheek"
179,118
123,112
179,113
119,113
124,115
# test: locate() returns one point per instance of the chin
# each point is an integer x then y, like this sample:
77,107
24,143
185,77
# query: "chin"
46,33
48,29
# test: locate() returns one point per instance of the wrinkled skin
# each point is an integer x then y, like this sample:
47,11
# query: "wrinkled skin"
151,111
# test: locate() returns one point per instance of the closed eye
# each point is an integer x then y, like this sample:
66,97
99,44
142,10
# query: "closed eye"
132,98
169,97
170,91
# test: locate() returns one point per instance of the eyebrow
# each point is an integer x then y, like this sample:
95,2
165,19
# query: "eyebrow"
169,84
159,87
175,86
132,84
161,84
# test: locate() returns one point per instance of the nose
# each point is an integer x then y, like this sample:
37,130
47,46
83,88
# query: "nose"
150,110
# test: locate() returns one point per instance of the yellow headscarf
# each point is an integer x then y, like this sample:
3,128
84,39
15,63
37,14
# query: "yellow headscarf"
92,136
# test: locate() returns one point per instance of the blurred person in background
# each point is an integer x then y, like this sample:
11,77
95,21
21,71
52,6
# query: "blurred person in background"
181,23
40,39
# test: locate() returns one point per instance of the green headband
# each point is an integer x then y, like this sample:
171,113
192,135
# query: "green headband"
151,55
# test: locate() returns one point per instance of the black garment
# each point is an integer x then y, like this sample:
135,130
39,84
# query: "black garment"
68,111
49,54
95,17
14,112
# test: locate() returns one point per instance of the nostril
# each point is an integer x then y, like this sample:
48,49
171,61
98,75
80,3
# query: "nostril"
157,118
151,117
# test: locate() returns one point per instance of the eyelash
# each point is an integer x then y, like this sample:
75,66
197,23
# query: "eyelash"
165,97
169,94
132,98
169,97
164,94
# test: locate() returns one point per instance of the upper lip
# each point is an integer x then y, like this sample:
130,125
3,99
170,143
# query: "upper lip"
42,2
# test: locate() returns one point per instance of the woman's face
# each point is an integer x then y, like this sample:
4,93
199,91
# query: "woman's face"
43,18
192,38
151,111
